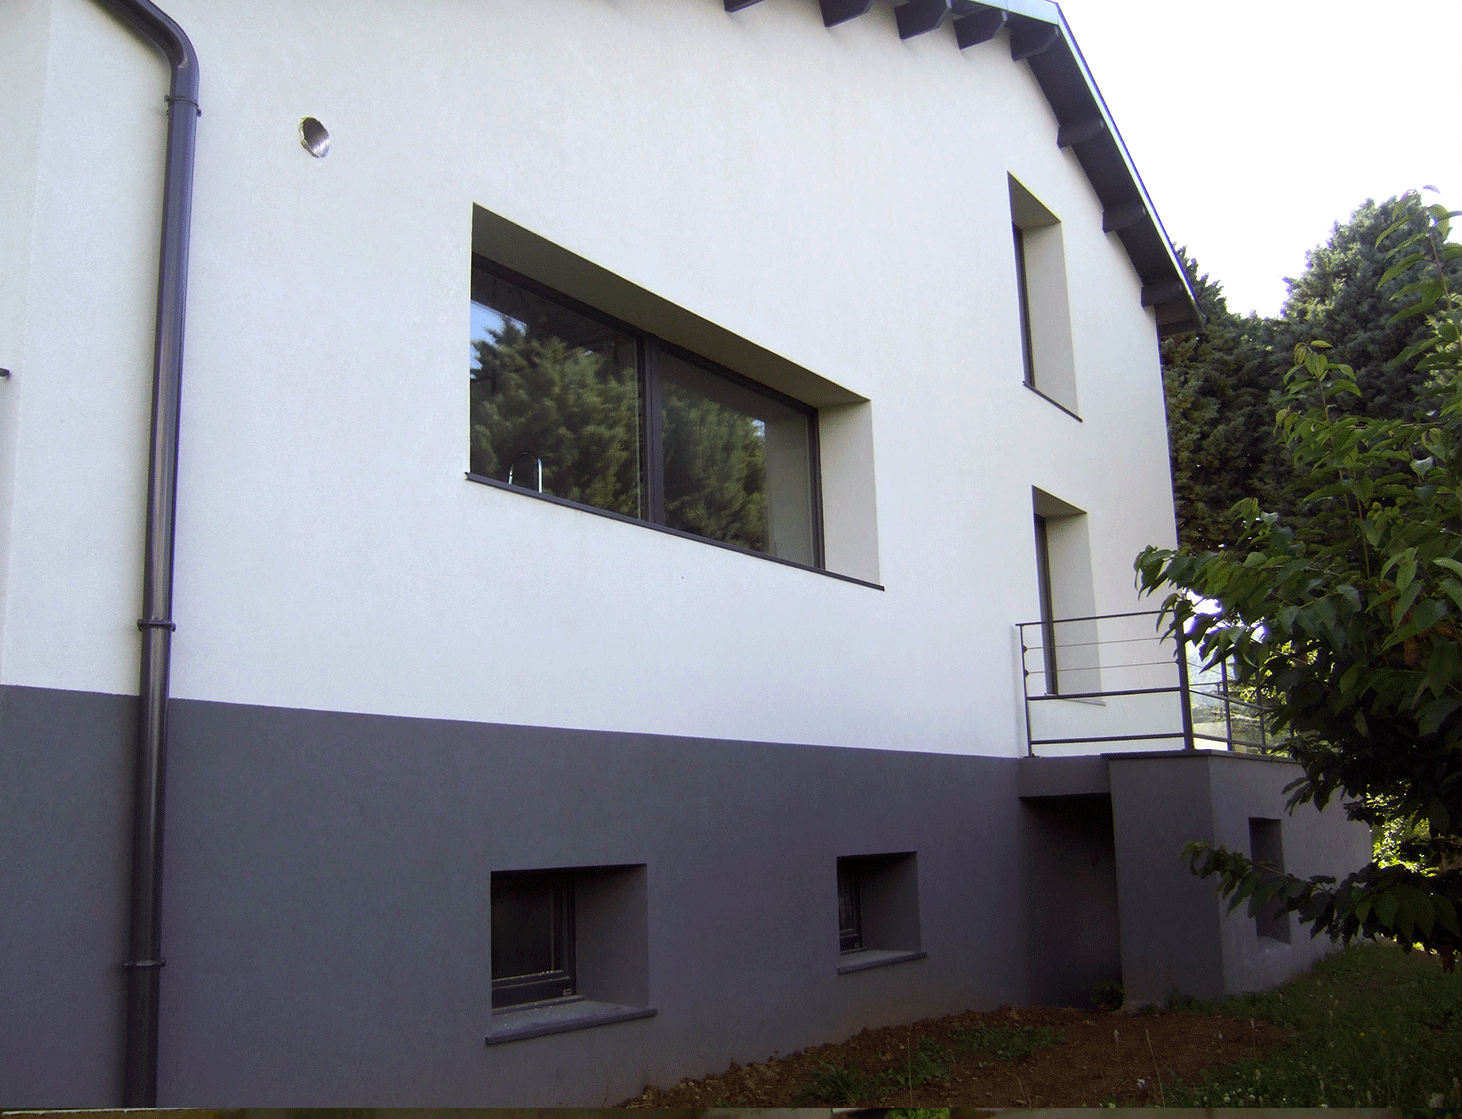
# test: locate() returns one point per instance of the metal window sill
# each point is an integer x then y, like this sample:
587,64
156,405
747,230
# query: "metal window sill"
519,1024
865,958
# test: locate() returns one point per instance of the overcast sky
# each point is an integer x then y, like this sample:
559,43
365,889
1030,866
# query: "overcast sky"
1257,124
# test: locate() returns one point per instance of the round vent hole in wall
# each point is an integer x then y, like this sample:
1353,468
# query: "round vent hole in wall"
314,137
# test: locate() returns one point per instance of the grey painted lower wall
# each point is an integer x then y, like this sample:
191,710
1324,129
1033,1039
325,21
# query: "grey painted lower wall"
65,836
1176,935
1072,942
326,900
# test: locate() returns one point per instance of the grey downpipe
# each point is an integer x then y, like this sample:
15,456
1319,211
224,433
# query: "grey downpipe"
144,947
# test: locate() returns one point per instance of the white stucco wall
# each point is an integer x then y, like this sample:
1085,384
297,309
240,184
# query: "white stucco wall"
838,197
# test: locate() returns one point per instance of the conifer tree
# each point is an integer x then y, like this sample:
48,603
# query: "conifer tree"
1219,384
1339,297
1222,383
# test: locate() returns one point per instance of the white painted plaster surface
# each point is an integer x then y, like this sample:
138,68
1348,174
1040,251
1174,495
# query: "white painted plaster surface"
838,197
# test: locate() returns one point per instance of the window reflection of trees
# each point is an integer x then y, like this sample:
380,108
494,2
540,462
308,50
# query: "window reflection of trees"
715,470
559,405
574,408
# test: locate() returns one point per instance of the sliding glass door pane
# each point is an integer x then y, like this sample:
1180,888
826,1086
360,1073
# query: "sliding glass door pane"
555,400
737,464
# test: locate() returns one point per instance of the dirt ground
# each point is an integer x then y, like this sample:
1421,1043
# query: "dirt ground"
1024,1057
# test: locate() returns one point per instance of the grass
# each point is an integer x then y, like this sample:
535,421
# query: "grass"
928,1060
838,1086
1373,1027
1009,1043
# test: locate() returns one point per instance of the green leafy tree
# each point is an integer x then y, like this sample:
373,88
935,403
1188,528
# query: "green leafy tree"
1345,296
1222,385
1347,616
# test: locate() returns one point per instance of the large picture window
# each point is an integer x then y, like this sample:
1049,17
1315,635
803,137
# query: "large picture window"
574,406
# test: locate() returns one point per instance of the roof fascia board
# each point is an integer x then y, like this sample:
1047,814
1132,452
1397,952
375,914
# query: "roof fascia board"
1096,93
1043,10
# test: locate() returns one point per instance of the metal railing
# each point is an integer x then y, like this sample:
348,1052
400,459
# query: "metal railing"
1114,679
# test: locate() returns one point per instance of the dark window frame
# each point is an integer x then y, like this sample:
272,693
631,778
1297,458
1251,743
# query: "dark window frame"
560,982
1022,290
850,907
1048,612
649,348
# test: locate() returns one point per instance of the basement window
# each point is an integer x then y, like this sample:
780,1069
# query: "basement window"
572,405
532,938
569,950
878,911
1266,845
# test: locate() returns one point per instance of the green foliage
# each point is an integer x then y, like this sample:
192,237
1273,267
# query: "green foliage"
1371,1028
1345,616
929,1061
1009,1043
1347,295
1218,385
715,471
1108,996
1221,385
837,1086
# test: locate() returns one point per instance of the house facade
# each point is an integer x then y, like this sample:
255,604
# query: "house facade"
617,443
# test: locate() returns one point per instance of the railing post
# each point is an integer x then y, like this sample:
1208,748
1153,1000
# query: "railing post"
1228,708
1025,689
1184,693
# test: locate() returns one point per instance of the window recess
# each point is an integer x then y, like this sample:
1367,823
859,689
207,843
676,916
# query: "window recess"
1041,300
1266,846
878,911
1069,635
569,950
574,405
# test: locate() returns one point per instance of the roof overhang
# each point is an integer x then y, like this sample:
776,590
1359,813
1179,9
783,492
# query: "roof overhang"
1040,37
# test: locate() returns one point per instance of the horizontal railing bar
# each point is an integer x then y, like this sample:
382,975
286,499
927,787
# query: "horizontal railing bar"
1223,698
1105,667
1235,739
1100,695
1096,644
1106,738
1094,618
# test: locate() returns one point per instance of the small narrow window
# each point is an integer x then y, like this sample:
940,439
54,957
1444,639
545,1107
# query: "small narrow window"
532,938
1048,366
1022,287
1266,846
1069,638
1048,613
878,910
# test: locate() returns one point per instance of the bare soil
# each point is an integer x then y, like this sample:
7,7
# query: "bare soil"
1011,1057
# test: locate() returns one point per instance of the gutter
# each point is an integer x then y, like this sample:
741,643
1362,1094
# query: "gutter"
144,945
